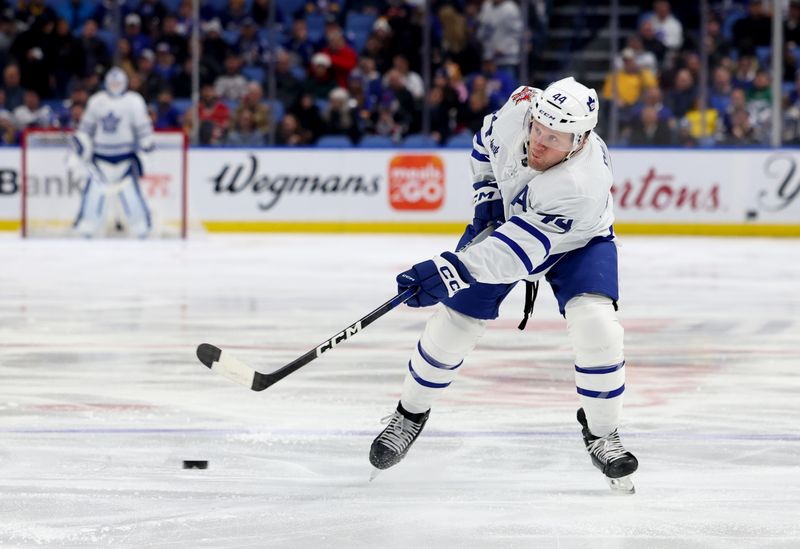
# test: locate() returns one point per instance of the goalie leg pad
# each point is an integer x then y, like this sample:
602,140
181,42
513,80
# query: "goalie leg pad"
92,211
597,339
449,336
135,208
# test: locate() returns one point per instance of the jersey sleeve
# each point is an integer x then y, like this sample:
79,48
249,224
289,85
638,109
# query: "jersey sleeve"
529,243
480,162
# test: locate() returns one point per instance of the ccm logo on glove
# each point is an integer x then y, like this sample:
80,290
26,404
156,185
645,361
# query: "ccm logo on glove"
437,279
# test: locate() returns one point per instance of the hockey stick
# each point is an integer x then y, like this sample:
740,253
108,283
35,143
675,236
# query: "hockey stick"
234,369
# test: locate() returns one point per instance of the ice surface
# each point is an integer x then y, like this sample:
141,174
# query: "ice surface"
102,398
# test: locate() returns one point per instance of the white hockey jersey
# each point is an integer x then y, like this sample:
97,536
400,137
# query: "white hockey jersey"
547,213
117,125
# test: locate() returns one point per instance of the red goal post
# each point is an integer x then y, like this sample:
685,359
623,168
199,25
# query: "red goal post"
52,189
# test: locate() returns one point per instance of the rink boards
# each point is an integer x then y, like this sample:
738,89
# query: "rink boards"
723,192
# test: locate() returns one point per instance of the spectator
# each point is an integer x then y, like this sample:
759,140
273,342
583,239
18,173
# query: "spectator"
320,80
214,48
133,32
152,13
166,68
499,83
667,27
32,114
291,134
65,116
231,85
791,26
34,51
308,116
8,130
412,81
7,32
245,133
73,120
477,107
299,45
703,125
373,87
681,98
650,42
717,46
287,85
11,87
631,81
479,84
213,110
649,130
719,96
166,115
343,57
260,11
753,30
741,132
170,34
790,62
75,12
340,117
653,98
745,73
125,55
457,44
397,101
645,59
253,48
233,17
151,82
500,31
378,45
443,116
92,51
260,112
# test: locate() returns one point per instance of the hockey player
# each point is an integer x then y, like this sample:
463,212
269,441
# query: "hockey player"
113,141
543,178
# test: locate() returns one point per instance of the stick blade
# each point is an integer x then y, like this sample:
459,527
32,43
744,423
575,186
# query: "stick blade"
226,364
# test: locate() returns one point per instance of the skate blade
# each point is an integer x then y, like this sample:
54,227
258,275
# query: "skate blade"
374,473
622,485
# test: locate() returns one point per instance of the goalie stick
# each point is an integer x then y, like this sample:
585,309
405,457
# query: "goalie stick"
234,369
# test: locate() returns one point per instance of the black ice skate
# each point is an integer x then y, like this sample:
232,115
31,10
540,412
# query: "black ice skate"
393,443
608,455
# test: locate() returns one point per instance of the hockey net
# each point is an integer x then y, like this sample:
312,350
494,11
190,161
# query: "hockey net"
52,187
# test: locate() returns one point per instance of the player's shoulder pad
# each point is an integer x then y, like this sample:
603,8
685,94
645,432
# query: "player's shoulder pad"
507,122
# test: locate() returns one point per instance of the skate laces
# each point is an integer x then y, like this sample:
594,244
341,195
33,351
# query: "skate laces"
400,432
607,448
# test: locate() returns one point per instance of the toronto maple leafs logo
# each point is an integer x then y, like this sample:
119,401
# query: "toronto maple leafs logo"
591,104
110,122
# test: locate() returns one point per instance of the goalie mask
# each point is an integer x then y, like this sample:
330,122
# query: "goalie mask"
116,82
566,106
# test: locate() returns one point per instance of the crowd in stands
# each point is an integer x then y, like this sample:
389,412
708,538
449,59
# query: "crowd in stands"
349,71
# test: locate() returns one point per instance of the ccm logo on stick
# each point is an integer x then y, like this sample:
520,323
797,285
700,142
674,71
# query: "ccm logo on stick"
338,338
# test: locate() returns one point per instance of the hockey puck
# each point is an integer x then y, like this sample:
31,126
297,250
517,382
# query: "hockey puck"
195,464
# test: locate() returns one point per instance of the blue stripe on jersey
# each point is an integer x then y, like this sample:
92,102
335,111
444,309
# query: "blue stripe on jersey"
480,157
533,231
602,394
526,261
433,362
114,159
423,382
484,183
479,139
600,369
547,263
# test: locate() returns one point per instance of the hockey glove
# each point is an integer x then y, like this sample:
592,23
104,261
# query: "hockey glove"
436,278
488,203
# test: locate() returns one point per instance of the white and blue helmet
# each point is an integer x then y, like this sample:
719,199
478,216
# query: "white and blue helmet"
567,106
116,82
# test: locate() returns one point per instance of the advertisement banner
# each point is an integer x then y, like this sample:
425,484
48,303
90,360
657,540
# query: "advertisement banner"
420,190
